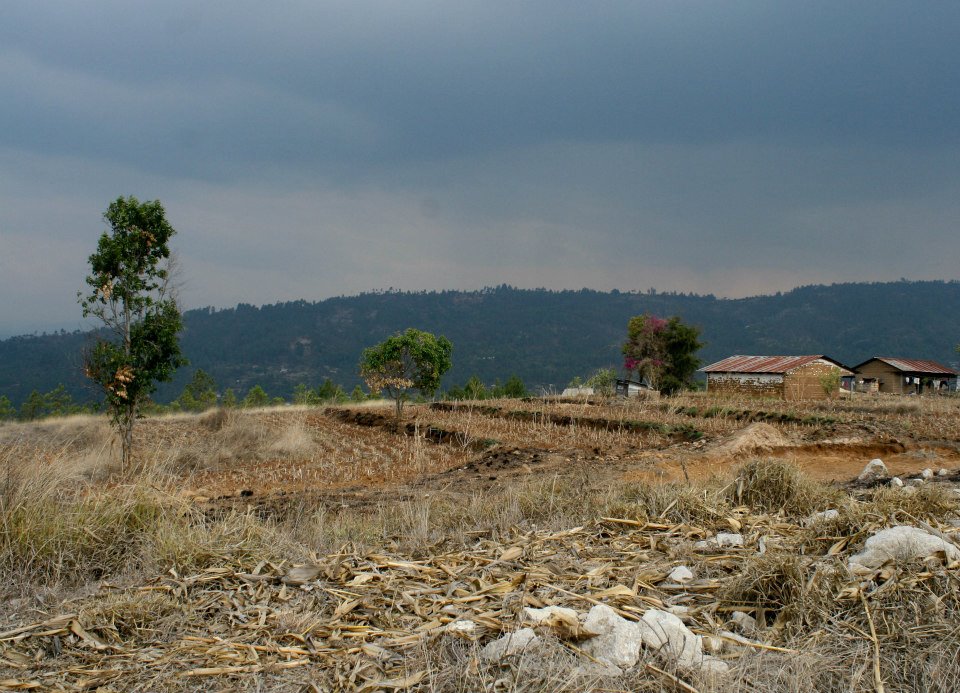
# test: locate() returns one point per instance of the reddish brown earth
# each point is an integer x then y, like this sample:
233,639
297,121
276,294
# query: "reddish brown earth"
365,458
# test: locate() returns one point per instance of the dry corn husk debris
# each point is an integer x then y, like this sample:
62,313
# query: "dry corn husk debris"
356,620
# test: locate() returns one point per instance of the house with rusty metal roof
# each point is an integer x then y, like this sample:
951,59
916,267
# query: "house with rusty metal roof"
904,376
784,377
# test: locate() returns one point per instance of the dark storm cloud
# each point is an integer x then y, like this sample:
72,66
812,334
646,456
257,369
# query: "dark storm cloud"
306,149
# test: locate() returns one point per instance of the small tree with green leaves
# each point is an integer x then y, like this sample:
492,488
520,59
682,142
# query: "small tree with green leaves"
603,381
256,397
200,393
305,396
662,351
7,410
513,388
229,400
130,294
411,360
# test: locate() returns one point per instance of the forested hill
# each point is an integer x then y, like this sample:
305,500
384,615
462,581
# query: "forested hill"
545,337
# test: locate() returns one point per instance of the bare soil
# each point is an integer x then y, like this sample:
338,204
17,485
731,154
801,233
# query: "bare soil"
460,450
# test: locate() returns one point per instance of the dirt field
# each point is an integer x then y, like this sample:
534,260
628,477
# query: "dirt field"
362,456
339,549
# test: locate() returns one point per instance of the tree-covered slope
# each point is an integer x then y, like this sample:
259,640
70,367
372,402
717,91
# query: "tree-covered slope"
545,337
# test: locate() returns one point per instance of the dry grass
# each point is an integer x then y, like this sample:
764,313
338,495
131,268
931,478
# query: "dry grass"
776,486
165,594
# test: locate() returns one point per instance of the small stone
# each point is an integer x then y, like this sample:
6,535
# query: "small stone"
617,641
721,540
711,666
745,622
823,516
901,543
564,622
943,472
301,575
462,628
926,474
896,482
509,644
663,632
681,575
713,644
729,539
874,470
919,481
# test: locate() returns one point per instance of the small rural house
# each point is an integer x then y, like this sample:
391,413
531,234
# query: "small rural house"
632,388
903,376
785,377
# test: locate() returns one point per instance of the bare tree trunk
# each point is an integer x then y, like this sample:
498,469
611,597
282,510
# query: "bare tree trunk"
126,437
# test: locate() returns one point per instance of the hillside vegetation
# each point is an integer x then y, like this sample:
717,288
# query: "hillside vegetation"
545,337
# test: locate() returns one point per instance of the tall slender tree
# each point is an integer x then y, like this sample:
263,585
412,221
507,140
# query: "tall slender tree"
131,294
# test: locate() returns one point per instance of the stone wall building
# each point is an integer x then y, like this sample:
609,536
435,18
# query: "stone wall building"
784,377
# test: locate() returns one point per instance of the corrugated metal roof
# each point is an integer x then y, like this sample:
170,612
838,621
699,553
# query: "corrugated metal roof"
914,365
764,364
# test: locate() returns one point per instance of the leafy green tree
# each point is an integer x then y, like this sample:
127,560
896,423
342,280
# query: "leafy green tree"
411,360
683,343
514,388
7,410
256,397
304,395
229,398
358,395
329,391
474,389
662,351
603,381
59,402
130,294
33,407
200,393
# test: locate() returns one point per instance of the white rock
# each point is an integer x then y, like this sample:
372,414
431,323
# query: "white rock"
916,482
723,539
463,628
926,474
680,611
943,472
681,575
663,632
822,516
900,543
711,666
874,470
729,539
617,641
896,482
744,621
713,644
509,644
564,622
538,616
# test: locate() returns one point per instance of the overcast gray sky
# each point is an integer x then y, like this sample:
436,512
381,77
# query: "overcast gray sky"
306,149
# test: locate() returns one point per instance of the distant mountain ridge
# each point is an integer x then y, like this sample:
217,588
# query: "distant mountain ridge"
545,337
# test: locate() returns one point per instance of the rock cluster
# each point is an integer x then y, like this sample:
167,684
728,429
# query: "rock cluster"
611,640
